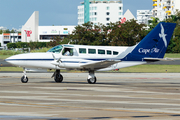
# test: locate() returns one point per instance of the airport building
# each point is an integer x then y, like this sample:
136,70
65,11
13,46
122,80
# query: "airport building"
31,31
143,16
100,11
9,38
163,9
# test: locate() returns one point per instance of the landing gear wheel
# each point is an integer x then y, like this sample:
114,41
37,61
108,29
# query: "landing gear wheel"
24,79
58,78
92,80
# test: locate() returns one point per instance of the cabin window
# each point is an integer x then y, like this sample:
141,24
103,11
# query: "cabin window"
109,52
82,50
102,52
115,53
92,51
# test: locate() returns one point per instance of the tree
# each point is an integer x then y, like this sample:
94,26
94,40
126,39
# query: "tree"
12,31
11,45
153,23
6,31
174,18
1,31
174,45
126,34
176,38
89,34
115,34
21,44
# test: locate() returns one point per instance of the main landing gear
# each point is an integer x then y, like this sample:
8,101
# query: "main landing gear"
24,78
91,78
57,76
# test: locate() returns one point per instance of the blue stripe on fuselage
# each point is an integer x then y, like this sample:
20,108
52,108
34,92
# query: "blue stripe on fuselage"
29,59
47,59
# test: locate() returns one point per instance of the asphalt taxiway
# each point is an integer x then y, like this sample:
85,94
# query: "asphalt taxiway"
115,96
3,63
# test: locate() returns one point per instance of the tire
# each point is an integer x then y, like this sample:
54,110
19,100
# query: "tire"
92,80
58,78
24,80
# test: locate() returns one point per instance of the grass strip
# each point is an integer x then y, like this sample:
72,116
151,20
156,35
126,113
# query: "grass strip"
4,56
152,69
172,55
11,69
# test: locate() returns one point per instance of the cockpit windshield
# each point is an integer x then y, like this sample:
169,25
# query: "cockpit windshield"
56,49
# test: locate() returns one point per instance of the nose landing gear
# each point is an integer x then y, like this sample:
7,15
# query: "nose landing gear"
24,78
57,76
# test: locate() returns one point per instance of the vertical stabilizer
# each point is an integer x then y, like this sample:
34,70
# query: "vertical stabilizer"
155,44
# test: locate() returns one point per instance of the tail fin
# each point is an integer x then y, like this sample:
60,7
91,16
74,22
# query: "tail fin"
155,44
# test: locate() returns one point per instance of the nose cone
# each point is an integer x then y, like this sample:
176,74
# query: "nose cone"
31,60
12,59
9,58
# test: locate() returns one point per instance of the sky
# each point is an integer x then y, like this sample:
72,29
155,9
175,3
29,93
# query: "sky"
15,13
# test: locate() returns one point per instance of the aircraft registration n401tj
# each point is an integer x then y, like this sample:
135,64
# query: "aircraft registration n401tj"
97,58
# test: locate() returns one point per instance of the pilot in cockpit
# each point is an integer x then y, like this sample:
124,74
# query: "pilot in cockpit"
67,52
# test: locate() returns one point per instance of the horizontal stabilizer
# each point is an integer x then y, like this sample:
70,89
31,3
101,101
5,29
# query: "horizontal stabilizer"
157,59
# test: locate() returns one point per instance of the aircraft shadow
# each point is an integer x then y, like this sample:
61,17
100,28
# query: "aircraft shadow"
66,82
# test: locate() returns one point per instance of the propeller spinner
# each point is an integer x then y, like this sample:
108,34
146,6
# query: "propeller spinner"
56,62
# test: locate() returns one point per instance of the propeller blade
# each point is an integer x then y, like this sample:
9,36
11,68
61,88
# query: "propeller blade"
53,57
59,59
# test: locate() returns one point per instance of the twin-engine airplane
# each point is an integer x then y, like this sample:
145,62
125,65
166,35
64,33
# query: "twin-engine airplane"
97,58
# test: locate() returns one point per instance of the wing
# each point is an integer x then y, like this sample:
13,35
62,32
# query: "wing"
100,64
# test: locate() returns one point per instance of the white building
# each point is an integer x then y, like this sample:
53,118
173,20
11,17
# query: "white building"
9,38
143,16
163,9
100,11
31,31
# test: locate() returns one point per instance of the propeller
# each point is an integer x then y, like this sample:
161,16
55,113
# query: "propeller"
56,62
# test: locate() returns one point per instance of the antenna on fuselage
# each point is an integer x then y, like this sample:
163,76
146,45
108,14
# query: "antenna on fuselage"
69,42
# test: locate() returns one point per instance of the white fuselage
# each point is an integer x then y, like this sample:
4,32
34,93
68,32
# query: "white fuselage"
81,55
